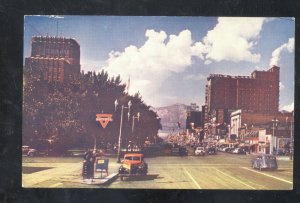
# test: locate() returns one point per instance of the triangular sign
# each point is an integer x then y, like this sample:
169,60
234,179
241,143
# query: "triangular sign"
104,119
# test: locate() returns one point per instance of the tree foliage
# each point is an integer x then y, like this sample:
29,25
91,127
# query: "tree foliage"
65,113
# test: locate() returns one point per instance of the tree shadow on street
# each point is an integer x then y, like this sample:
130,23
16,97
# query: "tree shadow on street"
143,177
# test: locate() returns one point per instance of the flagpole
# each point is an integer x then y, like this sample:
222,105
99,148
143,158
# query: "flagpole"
128,84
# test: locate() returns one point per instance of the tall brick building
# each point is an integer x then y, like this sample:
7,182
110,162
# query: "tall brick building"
256,93
57,59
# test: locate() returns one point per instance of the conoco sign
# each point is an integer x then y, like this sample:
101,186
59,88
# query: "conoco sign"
104,119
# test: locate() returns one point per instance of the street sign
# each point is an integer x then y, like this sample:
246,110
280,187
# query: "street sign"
104,119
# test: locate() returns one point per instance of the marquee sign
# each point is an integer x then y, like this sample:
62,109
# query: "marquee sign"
104,119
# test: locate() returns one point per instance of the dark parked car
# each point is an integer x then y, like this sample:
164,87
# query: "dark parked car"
238,151
280,152
179,151
211,150
183,151
229,149
265,162
27,151
151,151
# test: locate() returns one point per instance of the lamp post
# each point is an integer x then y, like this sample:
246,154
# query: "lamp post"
133,118
274,121
121,123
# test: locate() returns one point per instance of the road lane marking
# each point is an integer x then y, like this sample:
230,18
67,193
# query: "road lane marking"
281,179
191,177
198,164
225,174
55,185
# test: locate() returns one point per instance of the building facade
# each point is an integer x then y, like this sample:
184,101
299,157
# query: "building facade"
57,59
256,93
262,132
193,117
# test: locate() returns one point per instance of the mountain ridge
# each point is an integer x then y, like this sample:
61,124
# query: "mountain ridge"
171,115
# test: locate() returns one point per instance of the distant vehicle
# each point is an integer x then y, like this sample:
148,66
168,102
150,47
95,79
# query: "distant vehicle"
27,151
133,164
230,149
200,151
175,151
75,152
166,148
238,151
280,152
265,162
226,149
211,151
150,151
183,151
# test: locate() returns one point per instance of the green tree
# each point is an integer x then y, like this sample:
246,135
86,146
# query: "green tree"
65,113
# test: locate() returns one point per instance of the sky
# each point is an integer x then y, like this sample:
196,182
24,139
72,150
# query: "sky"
168,59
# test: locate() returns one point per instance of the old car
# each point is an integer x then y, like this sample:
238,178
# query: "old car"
183,151
238,151
151,151
200,151
265,162
211,151
133,164
28,151
280,152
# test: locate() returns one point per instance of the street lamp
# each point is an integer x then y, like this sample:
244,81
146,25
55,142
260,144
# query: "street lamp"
133,118
121,123
274,121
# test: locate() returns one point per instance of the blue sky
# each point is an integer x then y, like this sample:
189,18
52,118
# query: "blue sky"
169,58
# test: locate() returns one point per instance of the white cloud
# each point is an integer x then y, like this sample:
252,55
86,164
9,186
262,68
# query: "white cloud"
289,107
207,62
289,46
56,16
281,86
233,39
153,62
161,55
195,77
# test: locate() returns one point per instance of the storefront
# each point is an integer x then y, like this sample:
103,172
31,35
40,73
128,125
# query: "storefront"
264,142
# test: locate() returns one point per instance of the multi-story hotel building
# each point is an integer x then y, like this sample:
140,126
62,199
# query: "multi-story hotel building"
256,93
56,58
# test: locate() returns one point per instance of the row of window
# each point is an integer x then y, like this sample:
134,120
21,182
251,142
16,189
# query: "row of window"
52,52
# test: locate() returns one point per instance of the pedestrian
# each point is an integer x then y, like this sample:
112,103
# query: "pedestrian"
90,160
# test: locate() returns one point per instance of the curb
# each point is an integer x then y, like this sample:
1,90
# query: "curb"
101,181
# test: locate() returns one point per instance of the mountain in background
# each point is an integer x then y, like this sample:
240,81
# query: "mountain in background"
170,115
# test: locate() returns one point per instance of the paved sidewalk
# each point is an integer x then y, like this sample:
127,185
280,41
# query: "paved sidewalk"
61,172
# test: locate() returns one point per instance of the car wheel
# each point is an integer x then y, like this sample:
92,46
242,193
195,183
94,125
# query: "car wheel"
31,154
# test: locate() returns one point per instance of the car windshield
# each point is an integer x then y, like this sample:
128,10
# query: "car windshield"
134,158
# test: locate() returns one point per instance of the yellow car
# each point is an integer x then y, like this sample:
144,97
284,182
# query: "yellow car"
133,164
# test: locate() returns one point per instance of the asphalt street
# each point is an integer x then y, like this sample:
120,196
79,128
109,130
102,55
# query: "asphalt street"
221,171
